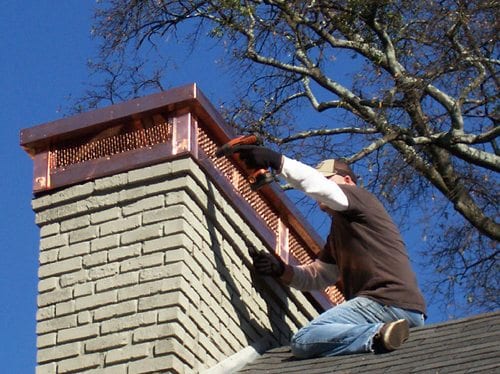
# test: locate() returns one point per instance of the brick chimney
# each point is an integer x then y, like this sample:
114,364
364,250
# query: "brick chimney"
144,237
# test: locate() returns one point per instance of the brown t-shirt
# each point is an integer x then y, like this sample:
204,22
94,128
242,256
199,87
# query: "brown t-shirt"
367,247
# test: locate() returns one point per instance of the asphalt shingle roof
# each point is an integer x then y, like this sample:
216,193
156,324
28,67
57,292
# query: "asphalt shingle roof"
469,345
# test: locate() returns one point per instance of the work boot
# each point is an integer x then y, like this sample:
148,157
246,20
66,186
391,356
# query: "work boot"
391,336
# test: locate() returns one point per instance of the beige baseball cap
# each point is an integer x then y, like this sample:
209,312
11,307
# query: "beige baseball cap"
332,167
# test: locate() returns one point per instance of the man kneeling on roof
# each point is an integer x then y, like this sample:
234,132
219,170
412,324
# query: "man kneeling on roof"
364,250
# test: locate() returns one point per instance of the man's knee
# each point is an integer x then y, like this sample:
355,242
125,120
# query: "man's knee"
300,346
298,349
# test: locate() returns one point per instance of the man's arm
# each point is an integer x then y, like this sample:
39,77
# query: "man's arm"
299,175
314,276
307,179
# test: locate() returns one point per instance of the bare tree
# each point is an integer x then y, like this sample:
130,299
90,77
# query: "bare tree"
417,110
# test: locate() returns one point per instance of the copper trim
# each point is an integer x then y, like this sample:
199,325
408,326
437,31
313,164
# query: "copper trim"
41,175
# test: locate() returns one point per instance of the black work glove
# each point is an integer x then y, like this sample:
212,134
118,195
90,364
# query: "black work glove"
270,264
256,157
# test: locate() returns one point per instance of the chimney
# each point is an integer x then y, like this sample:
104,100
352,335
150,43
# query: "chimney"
144,237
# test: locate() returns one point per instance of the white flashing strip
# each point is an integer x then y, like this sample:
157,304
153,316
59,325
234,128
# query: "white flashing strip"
239,359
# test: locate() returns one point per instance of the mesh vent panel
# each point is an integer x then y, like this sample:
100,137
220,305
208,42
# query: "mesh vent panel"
111,141
238,179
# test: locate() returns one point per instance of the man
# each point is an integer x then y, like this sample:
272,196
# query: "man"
364,251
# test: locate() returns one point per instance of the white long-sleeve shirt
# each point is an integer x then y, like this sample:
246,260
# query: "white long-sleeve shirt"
317,275
314,184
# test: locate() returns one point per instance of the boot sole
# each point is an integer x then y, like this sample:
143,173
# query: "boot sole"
396,334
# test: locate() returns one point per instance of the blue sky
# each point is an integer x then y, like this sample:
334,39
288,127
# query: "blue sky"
45,46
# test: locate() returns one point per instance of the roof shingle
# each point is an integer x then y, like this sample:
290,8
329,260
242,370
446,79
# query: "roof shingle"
469,345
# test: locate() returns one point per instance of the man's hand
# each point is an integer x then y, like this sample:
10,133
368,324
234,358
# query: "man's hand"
268,264
256,157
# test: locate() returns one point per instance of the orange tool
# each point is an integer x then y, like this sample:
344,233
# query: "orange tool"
258,177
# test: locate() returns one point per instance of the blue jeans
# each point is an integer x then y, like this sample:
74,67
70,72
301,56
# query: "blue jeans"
348,328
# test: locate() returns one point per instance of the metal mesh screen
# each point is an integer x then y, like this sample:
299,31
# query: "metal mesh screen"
238,179
119,139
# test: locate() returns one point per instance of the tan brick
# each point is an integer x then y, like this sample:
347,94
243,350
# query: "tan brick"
84,317
162,301
79,364
49,230
160,282
167,364
84,234
132,194
76,223
141,262
128,322
47,284
143,205
141,289
115,369
48,256
211,291
222,344
78,191
163,214
150,173
107,242
73,278
115,310
53,297
84,289
117,281
178,315
74,250
141,234
104,271
58,352
172,346
60,267
55,324
46,340
77,333
105,343
54,214
124,252
49,368
111,183
105,215
209,265
207,312
65,308
173,314
161,272
168,243
212,350
124,354
94,259
120,225
150,333
95,301
55,241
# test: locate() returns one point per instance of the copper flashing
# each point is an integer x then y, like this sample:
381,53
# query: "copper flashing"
156,128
